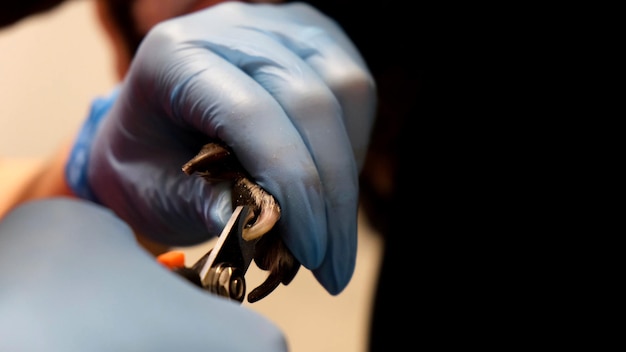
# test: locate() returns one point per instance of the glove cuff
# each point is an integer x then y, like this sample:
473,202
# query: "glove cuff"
76,169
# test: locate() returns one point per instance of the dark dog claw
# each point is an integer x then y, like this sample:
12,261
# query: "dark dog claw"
215,162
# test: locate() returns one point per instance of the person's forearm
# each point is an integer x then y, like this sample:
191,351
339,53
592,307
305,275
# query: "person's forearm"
24,180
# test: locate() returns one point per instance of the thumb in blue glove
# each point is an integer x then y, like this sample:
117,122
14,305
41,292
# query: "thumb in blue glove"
72,278
282,86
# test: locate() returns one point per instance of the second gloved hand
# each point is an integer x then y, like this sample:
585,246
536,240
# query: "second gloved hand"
282,86
73,278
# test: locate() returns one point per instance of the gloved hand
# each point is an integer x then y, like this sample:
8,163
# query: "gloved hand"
73,278
281,85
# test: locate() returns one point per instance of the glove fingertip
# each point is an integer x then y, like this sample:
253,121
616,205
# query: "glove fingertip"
333,281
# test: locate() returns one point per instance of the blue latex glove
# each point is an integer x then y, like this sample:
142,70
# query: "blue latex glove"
72,278
282,86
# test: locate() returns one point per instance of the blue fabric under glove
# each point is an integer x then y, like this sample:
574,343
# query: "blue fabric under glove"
72,278
284,87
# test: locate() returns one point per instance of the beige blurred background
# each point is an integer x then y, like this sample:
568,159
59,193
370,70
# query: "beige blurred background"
53,65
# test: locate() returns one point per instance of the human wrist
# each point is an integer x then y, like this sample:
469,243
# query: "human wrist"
77,165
